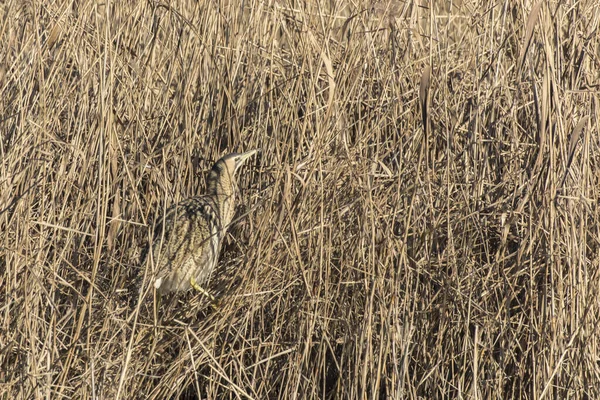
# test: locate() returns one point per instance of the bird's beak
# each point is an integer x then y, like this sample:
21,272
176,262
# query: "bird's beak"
244,156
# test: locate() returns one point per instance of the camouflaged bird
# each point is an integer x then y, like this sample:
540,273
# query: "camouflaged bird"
186,251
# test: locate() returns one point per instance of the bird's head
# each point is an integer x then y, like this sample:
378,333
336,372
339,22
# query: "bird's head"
234,161
221,179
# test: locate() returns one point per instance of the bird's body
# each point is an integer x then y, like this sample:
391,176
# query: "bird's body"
186,245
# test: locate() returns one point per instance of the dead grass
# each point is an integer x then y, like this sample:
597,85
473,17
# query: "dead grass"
375,259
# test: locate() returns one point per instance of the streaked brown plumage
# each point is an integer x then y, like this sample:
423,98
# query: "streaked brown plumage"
186,251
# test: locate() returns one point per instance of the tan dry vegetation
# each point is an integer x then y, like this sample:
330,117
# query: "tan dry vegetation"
374,259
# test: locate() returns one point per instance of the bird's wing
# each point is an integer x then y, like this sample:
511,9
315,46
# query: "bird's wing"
188,245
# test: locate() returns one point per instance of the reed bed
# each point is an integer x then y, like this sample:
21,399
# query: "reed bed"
422,221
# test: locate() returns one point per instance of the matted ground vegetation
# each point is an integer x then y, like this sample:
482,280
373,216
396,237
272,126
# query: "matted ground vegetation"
422,221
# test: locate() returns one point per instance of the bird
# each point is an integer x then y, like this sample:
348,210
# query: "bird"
187,240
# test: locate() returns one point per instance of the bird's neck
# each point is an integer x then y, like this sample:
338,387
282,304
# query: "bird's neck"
221,187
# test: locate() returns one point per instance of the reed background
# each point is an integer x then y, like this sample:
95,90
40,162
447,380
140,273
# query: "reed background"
422,221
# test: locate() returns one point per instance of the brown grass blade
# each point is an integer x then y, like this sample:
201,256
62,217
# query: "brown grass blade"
424,97
574,139
531,23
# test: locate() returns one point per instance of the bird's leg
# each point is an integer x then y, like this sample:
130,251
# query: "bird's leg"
201,289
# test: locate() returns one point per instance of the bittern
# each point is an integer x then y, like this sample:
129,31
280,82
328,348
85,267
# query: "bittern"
186,245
